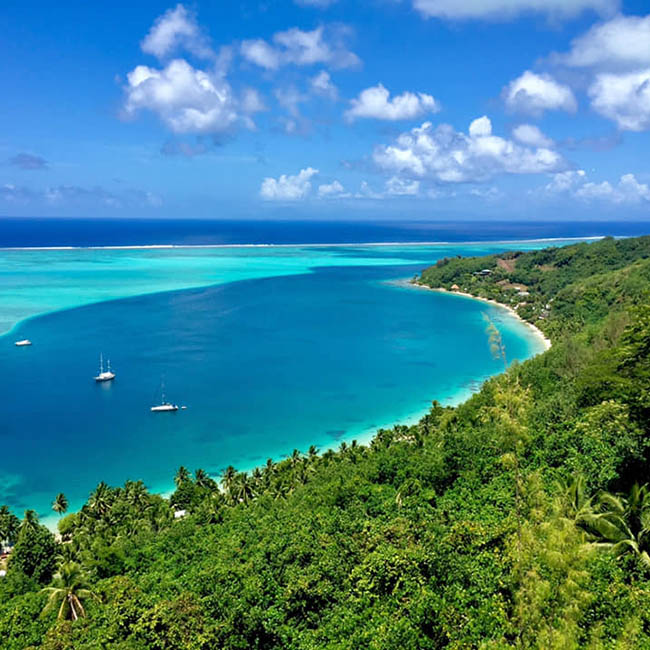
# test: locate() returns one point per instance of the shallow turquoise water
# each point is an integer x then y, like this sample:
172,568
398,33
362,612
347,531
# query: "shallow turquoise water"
271,349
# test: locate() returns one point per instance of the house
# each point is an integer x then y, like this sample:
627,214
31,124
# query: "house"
455,287
179,514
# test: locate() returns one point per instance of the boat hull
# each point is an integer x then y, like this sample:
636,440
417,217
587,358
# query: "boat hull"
106,376
164,408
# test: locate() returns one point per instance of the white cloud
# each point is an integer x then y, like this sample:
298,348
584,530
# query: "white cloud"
481,126
623,98
321,45
487,193
333,190
531,135
260,53
509,9
322,85
617,54
366,192
288,188
623,42
534,94
396,186
628,190
186,99
251,101
176,28
445,155
375,103
565,181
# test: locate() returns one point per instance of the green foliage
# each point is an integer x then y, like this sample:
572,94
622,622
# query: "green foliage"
34,554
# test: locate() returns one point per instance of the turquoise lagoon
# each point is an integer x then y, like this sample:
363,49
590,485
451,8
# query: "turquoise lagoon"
270,348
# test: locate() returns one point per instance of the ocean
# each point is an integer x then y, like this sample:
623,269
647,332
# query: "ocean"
270,348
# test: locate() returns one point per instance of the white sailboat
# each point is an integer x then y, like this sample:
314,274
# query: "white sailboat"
164,405
23,343
104,375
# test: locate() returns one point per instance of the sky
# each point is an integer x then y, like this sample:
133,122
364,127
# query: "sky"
327,109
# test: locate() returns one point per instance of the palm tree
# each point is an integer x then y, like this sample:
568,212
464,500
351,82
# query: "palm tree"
9,525
60,504
136,495
29,523
228,477
182,476
312,453
69,590
269,467
203,480
243,489
99,502
623,525
295,458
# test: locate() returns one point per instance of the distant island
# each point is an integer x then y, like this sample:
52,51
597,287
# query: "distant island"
519,519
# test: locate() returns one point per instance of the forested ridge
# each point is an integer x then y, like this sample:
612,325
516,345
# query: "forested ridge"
520,519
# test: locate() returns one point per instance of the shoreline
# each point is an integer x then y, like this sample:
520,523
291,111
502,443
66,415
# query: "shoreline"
538,334
365,434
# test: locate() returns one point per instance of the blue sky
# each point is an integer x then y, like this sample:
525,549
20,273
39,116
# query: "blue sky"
337,109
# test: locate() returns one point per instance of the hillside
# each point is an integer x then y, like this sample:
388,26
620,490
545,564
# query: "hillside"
519,519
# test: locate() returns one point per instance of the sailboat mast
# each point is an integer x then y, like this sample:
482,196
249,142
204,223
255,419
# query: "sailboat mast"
101,363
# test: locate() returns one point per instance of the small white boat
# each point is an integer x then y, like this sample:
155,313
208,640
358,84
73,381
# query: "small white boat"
164,406
23,343
104,375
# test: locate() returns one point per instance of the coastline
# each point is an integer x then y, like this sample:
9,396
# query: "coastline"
538,334
362,434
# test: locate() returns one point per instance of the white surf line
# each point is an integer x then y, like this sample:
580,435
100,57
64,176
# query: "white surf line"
314,245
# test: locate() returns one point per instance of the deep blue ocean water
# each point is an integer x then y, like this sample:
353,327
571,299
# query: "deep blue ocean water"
24,232
263,365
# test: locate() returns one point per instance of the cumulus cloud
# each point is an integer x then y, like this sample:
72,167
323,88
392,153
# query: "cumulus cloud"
28,161
576,184
623,42
509,9
298,47
531,135
375,103
617,55
627,190
396,186
445,155
333,190
322,85
288,188
623,98
186,99
533,93
176,28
